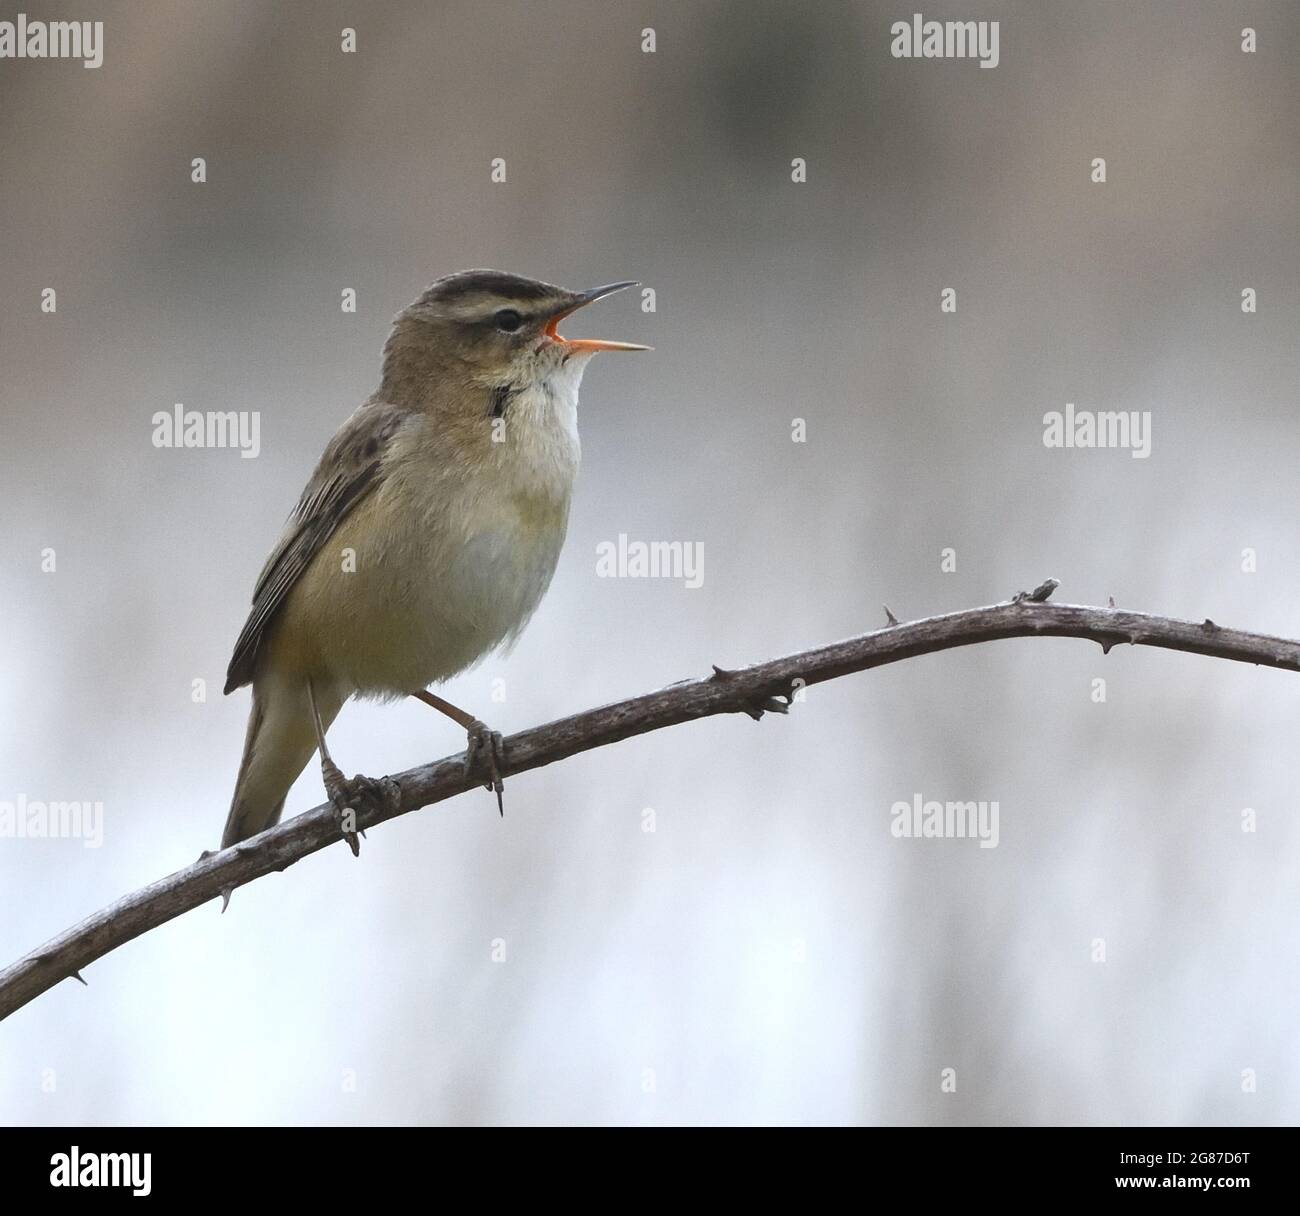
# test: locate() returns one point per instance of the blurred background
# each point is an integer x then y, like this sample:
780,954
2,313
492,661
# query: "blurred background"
769,953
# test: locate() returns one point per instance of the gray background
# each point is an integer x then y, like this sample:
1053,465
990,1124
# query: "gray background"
771,953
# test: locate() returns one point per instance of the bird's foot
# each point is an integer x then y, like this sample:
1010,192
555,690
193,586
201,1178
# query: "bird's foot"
1039,595
350,795
485,746
758,706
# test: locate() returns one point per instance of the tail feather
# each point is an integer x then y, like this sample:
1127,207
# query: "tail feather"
280,740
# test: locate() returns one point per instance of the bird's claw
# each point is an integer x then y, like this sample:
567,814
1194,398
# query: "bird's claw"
350,795
766,705
1039,595
759,706
486,744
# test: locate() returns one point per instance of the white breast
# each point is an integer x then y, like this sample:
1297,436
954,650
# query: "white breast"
466,553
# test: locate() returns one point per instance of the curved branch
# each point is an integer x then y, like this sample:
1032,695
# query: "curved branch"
751,690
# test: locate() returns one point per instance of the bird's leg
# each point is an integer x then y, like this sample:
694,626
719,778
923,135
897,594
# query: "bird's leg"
481,742
348,795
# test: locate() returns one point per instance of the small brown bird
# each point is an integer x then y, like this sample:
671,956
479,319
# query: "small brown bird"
425,538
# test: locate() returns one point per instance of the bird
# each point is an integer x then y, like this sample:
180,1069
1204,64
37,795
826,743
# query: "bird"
425,539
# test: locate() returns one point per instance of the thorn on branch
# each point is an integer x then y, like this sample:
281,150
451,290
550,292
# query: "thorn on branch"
890,617
76,975
1209,626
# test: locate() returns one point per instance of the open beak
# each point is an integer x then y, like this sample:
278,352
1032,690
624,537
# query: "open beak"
581,301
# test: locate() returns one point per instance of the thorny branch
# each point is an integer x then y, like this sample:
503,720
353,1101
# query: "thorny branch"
767,686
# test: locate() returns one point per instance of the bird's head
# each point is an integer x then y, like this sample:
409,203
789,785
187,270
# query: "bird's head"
495,328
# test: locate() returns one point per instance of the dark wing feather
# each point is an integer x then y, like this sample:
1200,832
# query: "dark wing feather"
347,472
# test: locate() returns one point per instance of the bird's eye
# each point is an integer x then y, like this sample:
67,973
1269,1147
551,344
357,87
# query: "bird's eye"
508,321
